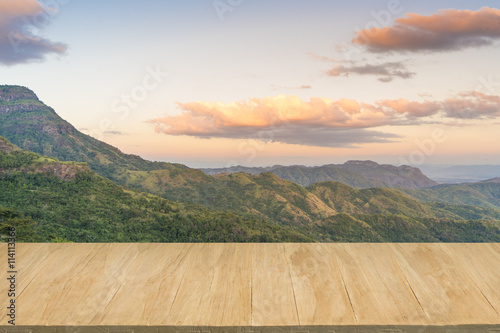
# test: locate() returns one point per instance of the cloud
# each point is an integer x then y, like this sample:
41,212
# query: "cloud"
386,72
288,119
18,44
410,109
448,30
322,58
472,105
304,86
114,133
319,121
324,136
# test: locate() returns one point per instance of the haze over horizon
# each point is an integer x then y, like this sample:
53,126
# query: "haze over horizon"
260,83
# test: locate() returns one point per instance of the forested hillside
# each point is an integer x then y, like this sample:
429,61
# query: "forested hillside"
51,200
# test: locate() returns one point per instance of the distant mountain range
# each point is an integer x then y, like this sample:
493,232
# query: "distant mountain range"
461,173
485,193
359,174
70,201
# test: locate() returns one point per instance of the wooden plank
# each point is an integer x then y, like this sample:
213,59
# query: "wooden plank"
317,282
151,284
81,277
480,263
273,300
379,291
230,298
49,280
442,286
378,294
216,288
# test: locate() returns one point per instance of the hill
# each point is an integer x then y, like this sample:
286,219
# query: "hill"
332,211
359,174
50,200
484,193
30,124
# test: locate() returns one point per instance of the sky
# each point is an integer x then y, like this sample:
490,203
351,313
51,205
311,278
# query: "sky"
214,83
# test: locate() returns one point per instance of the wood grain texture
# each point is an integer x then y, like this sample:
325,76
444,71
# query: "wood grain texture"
273,295
255,284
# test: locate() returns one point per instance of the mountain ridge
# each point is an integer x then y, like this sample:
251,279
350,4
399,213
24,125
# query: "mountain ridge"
356,173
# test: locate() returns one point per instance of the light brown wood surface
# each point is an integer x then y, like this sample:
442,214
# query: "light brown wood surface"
255,284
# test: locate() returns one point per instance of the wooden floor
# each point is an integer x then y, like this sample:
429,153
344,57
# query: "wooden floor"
255,284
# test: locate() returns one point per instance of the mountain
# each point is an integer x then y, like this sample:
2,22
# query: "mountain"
70,200
29,124
238,168
384,201
264,195
50,200
287,203
484,193
359,174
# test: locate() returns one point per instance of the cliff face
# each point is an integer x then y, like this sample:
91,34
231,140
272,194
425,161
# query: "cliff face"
14,160
403,176
64,172
17,99
5,109
16,93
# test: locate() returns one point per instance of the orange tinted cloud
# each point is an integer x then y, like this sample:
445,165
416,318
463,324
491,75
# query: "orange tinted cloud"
10,8
269,111
318,122
472,105
411,109
17,43
449,29
288,119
